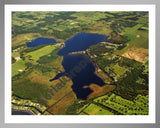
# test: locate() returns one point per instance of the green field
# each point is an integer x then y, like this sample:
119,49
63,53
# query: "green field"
93,109
35,55
131,36
19,65
141,41
28,89
142,20
131,30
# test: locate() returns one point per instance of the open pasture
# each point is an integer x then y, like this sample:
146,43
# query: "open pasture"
35,55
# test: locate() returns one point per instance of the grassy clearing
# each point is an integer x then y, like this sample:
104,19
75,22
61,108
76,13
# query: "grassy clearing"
18,66
93,109
130,36
35,55
142,20
131,30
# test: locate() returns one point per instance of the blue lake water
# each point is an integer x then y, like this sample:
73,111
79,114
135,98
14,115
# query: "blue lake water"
40,41
81,70
81,42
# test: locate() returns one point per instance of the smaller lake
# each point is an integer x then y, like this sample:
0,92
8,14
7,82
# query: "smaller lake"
40,41
20,112
81,42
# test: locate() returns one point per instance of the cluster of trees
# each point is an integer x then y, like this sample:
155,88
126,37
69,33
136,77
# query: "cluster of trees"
120,24
100,60
13,60
25,29
122,40
117,27
42,68
18,46
132,18
30,49
128,87
73,109
129,63
48,22
99,49
46,59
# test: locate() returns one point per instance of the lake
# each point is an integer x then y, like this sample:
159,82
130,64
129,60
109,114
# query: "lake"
81,42
40,41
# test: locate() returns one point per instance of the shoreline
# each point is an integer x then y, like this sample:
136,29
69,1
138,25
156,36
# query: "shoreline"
95,66
96,69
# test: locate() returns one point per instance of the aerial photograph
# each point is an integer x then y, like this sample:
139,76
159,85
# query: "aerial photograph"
80,63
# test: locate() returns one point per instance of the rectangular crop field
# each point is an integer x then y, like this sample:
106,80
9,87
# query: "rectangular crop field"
93,109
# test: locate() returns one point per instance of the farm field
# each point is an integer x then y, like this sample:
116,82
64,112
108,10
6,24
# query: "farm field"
35,55
93,109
